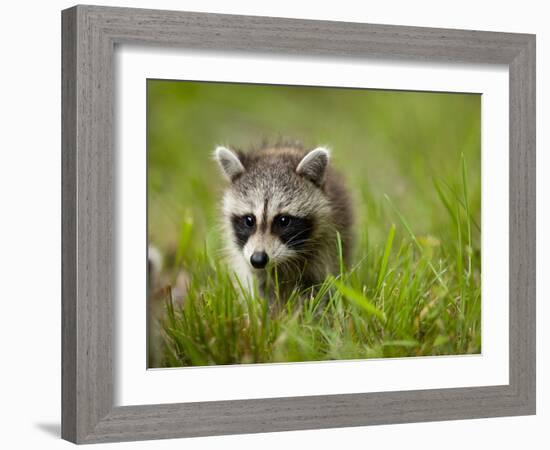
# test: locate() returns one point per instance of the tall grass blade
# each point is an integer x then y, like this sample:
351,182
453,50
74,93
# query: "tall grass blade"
340,254
184,240
444,200
413,238
360,300
467,205
460,200
385,257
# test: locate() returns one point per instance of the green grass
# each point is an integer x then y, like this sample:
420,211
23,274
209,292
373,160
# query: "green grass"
416,297
412,161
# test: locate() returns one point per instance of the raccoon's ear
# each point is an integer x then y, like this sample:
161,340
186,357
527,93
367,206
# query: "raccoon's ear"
229,162
313,166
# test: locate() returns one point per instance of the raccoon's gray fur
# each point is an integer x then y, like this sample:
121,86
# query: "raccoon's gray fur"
283,209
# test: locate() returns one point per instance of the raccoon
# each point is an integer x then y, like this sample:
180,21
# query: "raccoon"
283,210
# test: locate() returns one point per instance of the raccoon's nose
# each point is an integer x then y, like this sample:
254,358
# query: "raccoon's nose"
259,260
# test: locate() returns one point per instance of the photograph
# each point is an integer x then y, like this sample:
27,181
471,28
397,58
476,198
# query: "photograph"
294,224
248,225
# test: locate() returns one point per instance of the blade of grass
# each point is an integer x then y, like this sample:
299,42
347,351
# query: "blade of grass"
444,199
401,343
413,237
467,206
461,201
340,253
360,300
184,239
385,257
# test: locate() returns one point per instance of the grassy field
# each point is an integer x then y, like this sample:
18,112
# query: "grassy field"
412,161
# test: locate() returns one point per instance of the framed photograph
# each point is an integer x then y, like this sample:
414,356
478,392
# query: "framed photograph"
277,224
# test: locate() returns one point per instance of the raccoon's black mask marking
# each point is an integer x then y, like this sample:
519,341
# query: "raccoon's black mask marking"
242,229
294,232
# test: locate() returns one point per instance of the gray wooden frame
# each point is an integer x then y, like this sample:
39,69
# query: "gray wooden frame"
90,34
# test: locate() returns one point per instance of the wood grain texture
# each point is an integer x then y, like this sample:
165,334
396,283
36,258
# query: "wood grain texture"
90,34
68,225
522,281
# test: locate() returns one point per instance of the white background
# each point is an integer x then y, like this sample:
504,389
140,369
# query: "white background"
30,225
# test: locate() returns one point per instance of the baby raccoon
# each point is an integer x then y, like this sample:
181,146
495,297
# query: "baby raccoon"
282,211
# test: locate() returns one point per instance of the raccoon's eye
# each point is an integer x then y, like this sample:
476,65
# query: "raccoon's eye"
249,221
283,221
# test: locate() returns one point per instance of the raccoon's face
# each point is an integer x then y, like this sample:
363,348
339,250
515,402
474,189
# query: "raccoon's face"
275,205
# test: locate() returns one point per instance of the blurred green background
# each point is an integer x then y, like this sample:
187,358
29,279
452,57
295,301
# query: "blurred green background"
412,163
385,142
